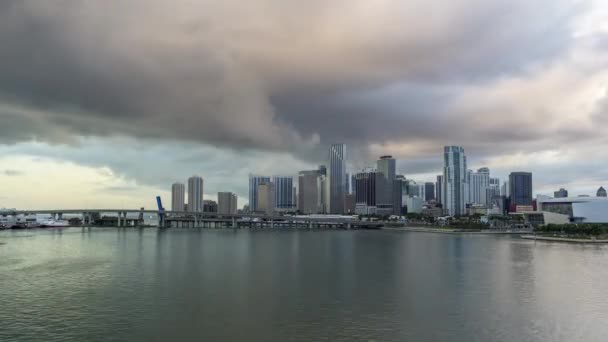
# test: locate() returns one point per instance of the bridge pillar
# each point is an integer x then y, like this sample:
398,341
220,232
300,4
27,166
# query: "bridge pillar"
233,222
118,220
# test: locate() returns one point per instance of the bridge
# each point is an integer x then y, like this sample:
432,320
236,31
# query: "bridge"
184,219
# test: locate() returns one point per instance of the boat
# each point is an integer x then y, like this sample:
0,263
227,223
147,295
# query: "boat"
52,223
25,221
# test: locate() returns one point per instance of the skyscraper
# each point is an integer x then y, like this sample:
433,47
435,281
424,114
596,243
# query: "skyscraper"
337,178
195,194
520,188
479,182
283,187
254,182
561,193
438,188
492,191
386,166
366,193
455,185
429,191
178,197
226,203
308,192
266,197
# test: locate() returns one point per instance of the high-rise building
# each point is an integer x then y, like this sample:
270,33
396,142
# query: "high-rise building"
308,192
322,170
438,187
226,203
254,182
429,191
561,193
520,189
210,206
322,194
455,184
195,194
349,204
265,198
178,197
504,189
492,191
601,192
367,189
397,195
479,182
386,166
283,187
337,178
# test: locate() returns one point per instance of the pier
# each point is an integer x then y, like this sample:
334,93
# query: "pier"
175,219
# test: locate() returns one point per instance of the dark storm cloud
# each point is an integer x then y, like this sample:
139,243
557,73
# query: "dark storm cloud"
271,75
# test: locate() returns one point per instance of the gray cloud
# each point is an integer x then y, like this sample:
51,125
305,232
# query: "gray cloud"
11,173
276,75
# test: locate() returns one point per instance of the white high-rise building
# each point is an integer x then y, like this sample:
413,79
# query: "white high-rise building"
226,203
337,178
254,182
455,187
178,197
479,182
195,194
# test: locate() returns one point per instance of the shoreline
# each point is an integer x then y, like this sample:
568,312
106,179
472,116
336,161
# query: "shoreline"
453,231
562,239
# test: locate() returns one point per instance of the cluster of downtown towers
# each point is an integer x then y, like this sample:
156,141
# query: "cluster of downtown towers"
371,191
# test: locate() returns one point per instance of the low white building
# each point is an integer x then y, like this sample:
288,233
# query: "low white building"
578,209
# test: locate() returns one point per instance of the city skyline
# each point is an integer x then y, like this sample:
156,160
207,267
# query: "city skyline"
120,109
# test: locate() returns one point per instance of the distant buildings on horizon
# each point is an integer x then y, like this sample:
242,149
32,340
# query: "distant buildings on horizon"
375,190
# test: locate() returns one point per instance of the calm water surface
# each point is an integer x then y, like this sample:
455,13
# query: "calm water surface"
83,284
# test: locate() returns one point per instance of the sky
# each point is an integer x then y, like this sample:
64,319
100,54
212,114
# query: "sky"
107,103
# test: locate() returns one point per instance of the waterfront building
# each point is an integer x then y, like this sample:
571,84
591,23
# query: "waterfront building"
349,204
284,194
254,182
322,194
561,193
265,198
455,184
429,191
226,203
195,194
479,182
520,189
504,189
386,166
397,200
414,205
209,206
579,209
601,192
438,187
337,178
308,194
493,190
322,170
178,197
367,189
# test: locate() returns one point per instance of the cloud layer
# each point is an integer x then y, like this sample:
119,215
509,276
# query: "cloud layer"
502,78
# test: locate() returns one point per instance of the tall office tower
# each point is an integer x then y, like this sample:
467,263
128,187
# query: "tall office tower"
561,193
454,185
492,191
353,187
386,166
195,194
504,189
337,178
601,192
438,187
322,170
283,187
479,182
404,189
520,188
397,200
322,194
254,182
178,197
226,203
308,194
367,189
429,191
265,198
210,206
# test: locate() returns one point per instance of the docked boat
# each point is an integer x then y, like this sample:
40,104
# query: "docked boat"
25,222
52,223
